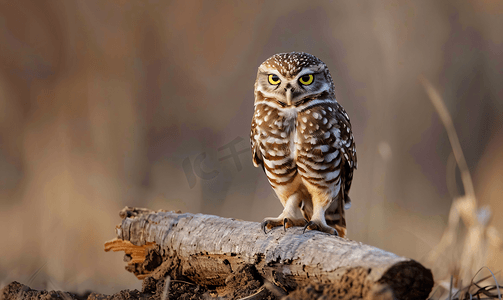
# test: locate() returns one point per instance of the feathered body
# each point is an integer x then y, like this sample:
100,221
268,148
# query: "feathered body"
302,139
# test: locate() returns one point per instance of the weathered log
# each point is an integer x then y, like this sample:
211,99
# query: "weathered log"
208,249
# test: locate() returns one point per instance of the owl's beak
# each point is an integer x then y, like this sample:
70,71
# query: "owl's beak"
289,96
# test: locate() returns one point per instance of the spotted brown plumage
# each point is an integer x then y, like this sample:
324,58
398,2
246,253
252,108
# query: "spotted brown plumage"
301,137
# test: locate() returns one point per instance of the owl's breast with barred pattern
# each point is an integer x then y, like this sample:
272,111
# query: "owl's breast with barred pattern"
273,135
320,146
313,141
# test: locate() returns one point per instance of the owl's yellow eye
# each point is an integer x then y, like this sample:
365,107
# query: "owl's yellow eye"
306,79
274,79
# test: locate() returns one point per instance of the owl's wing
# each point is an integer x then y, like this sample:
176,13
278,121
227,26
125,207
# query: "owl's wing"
256,154
348,151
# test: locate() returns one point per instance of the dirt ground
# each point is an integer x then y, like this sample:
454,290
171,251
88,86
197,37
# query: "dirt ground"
242,288
239,285
177,290
242,285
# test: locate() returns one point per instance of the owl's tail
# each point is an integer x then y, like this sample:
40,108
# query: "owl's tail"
347,202
335,215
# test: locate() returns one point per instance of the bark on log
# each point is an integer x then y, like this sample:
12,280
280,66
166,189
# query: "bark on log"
208,249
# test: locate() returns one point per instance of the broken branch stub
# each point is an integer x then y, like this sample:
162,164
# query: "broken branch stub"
207,249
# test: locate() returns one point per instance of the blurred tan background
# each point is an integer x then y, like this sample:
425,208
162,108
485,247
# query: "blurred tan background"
105,104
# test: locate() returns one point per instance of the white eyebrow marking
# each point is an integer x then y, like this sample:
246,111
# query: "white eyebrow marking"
304,72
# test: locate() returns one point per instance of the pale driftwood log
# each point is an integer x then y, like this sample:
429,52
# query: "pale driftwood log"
207,249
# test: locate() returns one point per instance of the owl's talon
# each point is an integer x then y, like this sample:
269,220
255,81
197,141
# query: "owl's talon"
270,223
263,225
311,225
307,225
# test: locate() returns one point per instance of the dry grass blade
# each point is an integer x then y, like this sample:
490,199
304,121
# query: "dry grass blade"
181,281
481,292
485,290
32,277
259,294
165,292
463,208
466,288
442,111
435,290
450,289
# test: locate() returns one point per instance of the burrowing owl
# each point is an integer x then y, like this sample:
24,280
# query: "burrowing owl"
301,136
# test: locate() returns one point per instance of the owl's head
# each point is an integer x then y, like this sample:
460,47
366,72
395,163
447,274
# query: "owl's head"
293,78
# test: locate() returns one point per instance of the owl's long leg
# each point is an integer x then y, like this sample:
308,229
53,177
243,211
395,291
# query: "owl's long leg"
291,215
323,200
318,221
327,207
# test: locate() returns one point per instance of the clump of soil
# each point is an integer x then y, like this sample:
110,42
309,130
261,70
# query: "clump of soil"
326,292
244,282
312,291
176,289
